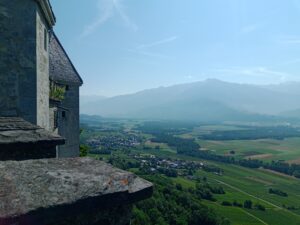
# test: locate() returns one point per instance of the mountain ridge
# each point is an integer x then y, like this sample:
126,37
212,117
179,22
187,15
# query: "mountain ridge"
204,100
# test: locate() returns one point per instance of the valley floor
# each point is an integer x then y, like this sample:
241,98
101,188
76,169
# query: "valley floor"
239,183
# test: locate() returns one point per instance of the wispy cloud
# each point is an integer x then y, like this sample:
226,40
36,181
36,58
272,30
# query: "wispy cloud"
145,49
258,74
250,28
107,9
189,77
157,43
149,54
121,11
289,40
290,62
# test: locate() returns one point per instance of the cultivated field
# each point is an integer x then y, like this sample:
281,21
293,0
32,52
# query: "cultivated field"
242,184
287,149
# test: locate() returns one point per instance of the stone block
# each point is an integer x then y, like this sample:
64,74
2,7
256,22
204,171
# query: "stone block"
74,191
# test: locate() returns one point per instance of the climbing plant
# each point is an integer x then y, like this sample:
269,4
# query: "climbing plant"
57,92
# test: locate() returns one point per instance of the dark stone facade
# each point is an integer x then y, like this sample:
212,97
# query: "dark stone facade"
63,72
18,78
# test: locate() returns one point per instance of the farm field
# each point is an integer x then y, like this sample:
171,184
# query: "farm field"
262,149
241,184
267,149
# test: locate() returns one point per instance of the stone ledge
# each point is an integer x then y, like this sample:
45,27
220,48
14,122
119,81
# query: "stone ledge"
50,190
21,140
15,130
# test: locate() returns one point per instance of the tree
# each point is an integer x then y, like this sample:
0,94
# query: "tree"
297,173
260,207
248,204
83,150
226,203
139,217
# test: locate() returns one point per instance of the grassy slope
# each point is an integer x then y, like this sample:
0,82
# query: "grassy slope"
243,184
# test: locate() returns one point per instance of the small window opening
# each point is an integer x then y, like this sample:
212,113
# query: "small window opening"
45,39
63,114
55,125
67,88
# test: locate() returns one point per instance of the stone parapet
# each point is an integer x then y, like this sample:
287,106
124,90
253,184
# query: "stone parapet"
68,191
21,140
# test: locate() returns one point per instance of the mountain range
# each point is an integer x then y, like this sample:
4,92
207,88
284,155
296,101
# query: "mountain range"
209,100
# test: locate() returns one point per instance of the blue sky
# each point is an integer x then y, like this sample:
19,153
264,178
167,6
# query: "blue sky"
123,46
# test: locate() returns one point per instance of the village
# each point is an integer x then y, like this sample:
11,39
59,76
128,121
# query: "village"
113,142
170,167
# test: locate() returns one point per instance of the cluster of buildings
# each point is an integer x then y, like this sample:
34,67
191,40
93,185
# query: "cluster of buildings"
114,142
155,163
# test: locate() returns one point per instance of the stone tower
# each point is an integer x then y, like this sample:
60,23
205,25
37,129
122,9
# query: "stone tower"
24,59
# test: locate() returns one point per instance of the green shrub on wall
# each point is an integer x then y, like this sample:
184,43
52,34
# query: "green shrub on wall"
57,92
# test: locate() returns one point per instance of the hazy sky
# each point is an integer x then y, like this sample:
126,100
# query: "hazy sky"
122,46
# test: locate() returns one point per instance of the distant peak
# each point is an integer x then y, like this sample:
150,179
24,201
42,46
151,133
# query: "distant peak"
213,80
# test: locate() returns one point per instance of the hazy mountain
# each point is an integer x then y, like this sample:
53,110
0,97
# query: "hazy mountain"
207,100
86,100
287,87
291,114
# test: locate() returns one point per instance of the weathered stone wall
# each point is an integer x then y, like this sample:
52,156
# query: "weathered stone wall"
42,53
18,59
68,126
53,119
24,64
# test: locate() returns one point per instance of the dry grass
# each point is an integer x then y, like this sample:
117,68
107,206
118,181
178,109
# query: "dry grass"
294,161
260,156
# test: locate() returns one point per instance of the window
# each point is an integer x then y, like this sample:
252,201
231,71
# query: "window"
67,88
63,114
45,39
55,125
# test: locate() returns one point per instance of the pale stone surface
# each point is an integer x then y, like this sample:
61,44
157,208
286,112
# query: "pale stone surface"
37,189
47,12
42,71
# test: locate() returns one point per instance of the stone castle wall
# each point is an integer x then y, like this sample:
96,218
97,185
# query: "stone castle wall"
18,59
24,64
69,125
42,52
